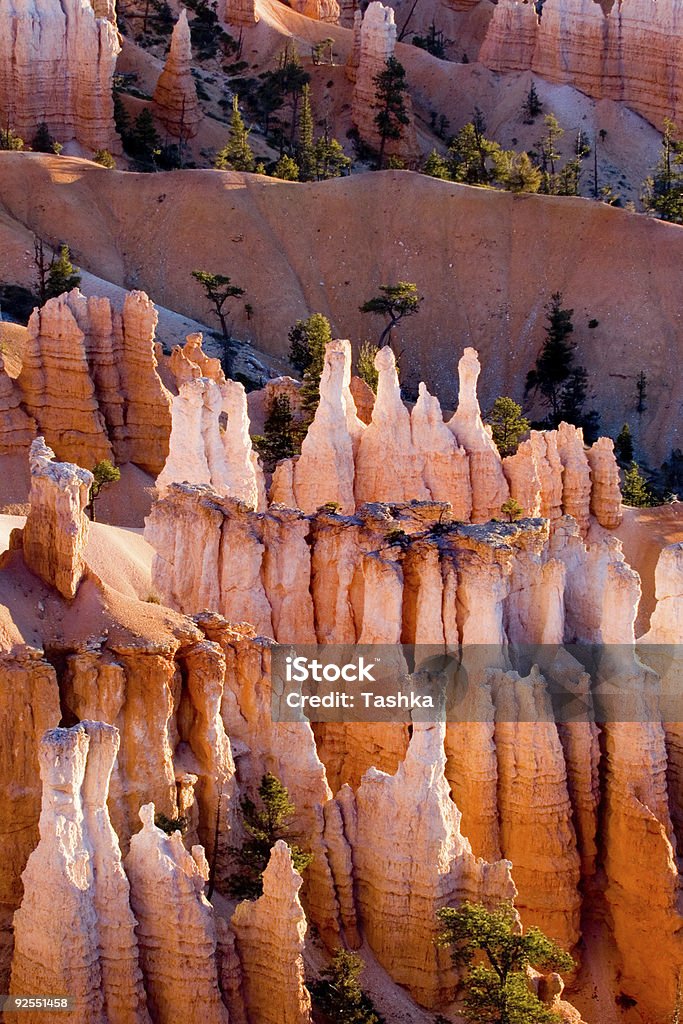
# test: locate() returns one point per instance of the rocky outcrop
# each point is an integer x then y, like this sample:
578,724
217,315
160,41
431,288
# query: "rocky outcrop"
319,10
176,929
489,487
201,452
377,43
56,530
241,13
625,52
89,948
189,361
666,623
410,859
89,380
57,67
17,429
400,457
175,102
388,467
270,941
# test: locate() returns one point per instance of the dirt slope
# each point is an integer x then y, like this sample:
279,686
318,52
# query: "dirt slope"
486,262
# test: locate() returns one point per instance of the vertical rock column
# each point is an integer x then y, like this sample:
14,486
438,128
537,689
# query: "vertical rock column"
175,101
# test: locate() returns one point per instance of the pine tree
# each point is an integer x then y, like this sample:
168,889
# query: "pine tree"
237,154
9,140
396,302
365,365
516,172
338,993
318,334
663,192
532,105
549,153
147,141
469,154
623,446
62,276
508,425
392,113
641,392
634,490
278,440
512,510
103,473
218,289
42,141
554,363
286,168
306,156
264,823
435,166
104,158
331,161
494,954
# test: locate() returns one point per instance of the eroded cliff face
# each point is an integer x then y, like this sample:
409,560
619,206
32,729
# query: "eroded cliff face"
400,456
89,380
57,67
629,51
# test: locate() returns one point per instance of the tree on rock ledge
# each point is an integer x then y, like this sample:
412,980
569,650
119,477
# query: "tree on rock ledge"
497,991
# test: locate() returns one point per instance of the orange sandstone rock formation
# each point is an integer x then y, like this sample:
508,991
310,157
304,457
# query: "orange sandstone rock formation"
175,101
53,539
626,52
201,452
89,380
270,940
57,67
175,926
17,428
88,949
405,872
241,13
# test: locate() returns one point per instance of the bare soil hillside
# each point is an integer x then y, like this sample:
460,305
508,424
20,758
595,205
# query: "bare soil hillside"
486,262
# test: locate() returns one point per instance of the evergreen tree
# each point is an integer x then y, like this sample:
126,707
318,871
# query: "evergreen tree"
278,440
392,114
286,168
663,193
9,140
549,153
365,365
237,154
318,335
470,155
104,158
338,993
512,510
218,289
331,161
508,425
435,166
554,376
489,946
396,302
264,823
306,155
623,446
103,473
532,105
146,135
634,490
516,172
62,276
42,141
